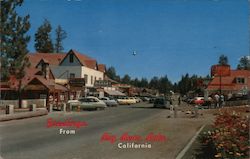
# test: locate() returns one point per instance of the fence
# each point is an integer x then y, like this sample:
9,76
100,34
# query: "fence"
41,103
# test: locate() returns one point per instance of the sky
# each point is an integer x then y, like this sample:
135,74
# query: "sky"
170,37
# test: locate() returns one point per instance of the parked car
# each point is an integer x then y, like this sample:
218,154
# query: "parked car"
145,99
162,103
132,100
138,100
126,100
88,103
151,100
109,102
198,101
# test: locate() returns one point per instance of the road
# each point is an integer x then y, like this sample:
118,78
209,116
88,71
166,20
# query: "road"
31,139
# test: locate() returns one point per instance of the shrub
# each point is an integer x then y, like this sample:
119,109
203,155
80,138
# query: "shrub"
229,136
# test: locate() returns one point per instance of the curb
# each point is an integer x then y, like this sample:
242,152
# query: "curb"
186,148
39,112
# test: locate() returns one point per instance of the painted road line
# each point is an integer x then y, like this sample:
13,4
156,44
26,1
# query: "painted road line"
186,148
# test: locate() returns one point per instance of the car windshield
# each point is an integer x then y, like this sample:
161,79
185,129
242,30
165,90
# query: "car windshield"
83,100
92,100
159,101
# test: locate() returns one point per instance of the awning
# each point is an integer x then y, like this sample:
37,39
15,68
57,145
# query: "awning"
114,93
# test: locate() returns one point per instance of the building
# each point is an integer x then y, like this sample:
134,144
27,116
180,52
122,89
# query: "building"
228,81
38,83
56,77
75,70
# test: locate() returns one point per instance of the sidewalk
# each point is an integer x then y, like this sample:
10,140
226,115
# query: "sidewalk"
22,115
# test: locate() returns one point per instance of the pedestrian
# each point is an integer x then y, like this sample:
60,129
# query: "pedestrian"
210,100
217,100
171,100
222,100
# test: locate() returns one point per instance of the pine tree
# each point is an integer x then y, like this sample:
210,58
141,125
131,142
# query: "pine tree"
126,79
13,42
244,63
60,36
111,72
43,42
223,60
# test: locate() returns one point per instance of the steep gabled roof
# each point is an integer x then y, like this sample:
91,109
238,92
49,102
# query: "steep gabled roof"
58,58
102,68
51,58
84,60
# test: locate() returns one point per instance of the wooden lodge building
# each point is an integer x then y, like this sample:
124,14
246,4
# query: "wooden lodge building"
38,83
56,77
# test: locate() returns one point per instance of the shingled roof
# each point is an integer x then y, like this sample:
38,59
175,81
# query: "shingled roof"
102,68
85,60
51,58
57,59
228,82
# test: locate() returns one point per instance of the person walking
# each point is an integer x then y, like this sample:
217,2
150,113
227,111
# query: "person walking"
217,100
222,100
179,100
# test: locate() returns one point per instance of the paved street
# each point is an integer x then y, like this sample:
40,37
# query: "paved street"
31,139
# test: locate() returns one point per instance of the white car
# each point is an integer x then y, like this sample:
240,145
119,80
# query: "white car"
132,100
126,100
88,103
108,101
138,100
123,100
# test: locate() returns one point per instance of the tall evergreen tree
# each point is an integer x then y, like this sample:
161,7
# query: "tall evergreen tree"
60,36
14,40
135,82
111,72
43,42
244,63
126,79
164,85
154,83
223,60
144,83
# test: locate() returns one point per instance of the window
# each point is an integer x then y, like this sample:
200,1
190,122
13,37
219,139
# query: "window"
91,79
71,58
71,75
240,80
86,78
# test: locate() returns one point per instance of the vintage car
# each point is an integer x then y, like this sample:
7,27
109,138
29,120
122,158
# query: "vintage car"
109,102
87,103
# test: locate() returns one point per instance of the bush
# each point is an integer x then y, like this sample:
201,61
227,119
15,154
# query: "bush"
229,136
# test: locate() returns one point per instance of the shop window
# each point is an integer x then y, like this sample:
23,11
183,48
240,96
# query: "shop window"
86,78
91,79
